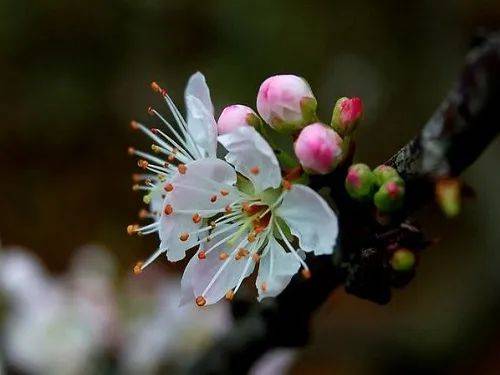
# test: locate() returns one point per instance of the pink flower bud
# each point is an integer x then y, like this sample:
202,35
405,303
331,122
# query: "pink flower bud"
318,148
235,116
286,102
346,115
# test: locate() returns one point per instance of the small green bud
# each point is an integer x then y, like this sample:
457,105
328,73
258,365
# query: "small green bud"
384,173
448,196
360,182
390,196
403,260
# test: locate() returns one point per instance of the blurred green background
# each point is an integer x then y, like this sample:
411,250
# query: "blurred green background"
73,74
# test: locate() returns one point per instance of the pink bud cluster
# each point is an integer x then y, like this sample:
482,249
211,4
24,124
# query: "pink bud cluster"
287,104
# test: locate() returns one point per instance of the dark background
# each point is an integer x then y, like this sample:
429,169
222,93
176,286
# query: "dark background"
73,74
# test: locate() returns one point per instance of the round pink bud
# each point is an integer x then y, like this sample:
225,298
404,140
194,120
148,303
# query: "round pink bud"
235,116
318,148
286,102
346,114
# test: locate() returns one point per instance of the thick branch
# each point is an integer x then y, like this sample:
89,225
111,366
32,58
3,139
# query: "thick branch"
461,128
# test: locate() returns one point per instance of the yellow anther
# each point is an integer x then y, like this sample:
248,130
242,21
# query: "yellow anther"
138,268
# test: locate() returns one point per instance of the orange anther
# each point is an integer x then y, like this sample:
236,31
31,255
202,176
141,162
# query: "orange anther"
202,255
196,218
230,295
136,177
213,198
131,150
223,255
143,213
168,209
200,301
242,252
224,192
228,209
134,125
255,169
142,163
182,168
171,158
287,185
237,257
256,257
169,187
306,273
184,236
156,87
138,268
132,228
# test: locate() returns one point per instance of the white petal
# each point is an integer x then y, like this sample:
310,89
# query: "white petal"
199,272
202,126
213,169
203,180
247,150
310,218
171,228
193,191
197,87
276,269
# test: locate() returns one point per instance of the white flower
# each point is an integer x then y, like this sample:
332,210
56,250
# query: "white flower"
189,140
237,212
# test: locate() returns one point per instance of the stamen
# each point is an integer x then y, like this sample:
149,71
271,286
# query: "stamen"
138,268
182,168
255,170
306,273
142,163
202,255
243,252
287,185
223,255
221,269
196,218
224,192
263,287
290,247
168,209
158,89
184,236
152,258
134,125
200,301
132,228
228,209
213,198
183,157
169,187
229,295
